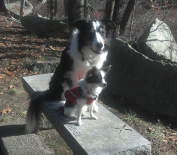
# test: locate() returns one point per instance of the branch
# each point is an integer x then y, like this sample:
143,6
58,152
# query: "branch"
168,12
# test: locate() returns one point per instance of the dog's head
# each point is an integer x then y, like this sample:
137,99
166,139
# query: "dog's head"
92,35
96,77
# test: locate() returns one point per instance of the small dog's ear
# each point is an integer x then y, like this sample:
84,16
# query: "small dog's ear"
106,69
109,24
94,69
79,23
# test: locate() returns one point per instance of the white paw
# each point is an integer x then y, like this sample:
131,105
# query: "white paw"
79,123
94,117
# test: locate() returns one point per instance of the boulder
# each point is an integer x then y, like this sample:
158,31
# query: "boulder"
157,42
14,8
50,28
150,84
42,67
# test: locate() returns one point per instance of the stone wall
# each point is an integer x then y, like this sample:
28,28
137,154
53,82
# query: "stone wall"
150,84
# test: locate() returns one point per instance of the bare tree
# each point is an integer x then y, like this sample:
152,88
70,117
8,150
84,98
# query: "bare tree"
3,7
109,9
66,7
112,12
127,14
51,10
21,8
75,10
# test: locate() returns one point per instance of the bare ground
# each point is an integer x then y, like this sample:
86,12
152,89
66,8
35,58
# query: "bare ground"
17,45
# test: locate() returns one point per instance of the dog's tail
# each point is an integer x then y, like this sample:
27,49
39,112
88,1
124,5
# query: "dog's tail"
34,111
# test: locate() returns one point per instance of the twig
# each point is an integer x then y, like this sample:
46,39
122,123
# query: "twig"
168,12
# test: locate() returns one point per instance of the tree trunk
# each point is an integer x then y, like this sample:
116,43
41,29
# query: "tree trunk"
66,7
55,8
86,13
51,10
21,8
109,9
116,17
75,10
127,15
3,7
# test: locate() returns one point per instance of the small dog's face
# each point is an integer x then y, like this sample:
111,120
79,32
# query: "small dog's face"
93,35
96,77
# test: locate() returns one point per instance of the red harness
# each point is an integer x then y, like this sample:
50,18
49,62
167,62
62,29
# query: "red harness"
73,94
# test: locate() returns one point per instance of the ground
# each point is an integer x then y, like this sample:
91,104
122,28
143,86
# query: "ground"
18,45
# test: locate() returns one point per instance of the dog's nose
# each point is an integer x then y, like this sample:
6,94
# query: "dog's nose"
105,84
99,45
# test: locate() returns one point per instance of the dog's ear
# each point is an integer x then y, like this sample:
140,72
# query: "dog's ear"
91,72
109,24
79,23
94,69
106,69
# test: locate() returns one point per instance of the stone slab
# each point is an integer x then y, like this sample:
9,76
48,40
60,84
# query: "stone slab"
15,8
36,83
14,140
107,135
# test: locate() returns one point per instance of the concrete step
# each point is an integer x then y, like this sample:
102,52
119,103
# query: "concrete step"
107,135
14,140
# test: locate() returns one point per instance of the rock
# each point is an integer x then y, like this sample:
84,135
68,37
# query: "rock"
157,42
42,67
50,28
149,84
14,8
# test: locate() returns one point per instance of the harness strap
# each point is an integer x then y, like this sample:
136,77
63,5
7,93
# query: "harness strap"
73,94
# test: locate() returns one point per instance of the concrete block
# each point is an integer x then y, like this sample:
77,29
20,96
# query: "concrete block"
14,140
107,135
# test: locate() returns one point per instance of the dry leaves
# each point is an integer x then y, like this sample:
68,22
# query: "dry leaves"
4,111
11,86
9,73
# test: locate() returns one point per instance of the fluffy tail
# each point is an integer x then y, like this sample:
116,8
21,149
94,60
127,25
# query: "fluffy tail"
34,112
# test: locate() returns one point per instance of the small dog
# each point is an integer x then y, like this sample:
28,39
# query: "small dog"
85,94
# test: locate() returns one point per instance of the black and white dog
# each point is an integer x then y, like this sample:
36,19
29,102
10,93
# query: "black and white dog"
85,93
88,47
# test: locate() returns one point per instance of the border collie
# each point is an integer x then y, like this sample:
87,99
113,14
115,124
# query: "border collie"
88,47
85,93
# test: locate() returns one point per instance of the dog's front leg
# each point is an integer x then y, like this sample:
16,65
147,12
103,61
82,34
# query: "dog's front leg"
80,104
91,107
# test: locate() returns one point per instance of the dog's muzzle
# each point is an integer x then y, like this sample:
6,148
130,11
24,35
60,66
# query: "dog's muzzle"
96,52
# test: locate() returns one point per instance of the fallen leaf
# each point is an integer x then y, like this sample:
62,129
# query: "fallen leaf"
171,17
51,47
1,93
8,73
11,86
9,109
2,76
3,111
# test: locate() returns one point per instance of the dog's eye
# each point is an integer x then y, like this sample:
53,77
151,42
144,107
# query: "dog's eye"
102,32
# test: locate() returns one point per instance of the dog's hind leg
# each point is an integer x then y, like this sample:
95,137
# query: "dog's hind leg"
70,112
70,109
